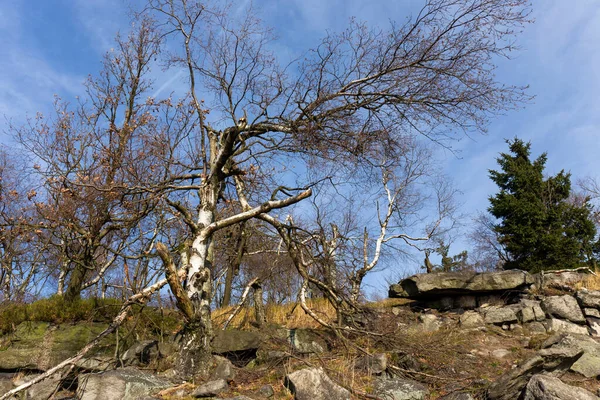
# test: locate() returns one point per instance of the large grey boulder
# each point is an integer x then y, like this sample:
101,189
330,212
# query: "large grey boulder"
530,311
224,369
119,384
234,340
141,353
460,283
42,390
510,386
589,298
564,307
561,326
544,387
588,364
210,389
399,389
314,384
470,320
306,341
560,280
499,315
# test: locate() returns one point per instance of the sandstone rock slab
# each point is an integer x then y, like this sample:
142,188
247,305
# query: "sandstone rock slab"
587,365
460,283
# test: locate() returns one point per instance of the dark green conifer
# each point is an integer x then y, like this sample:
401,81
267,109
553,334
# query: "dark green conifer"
538,225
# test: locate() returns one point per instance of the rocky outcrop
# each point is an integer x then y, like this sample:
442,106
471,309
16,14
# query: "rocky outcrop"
39,345
545,387
506,299
564,307
119,384
314,384
561,352
460,283
240,347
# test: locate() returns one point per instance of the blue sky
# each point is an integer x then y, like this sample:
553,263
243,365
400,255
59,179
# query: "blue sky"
50,46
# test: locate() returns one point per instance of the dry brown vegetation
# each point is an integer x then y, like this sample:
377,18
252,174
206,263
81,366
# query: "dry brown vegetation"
447,360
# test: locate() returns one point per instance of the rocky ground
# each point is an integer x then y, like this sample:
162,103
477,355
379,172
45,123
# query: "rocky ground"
502,336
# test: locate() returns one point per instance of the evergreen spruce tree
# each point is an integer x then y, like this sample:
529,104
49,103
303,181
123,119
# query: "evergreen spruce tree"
538,226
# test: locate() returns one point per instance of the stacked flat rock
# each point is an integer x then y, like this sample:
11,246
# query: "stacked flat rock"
424,286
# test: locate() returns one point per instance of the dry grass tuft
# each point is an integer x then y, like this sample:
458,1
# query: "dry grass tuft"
592,282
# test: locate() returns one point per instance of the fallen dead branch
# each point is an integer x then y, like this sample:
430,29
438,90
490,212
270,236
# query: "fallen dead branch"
408,371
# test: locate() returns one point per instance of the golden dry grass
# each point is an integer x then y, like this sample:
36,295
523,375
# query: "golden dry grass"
591,282
388,303
289,315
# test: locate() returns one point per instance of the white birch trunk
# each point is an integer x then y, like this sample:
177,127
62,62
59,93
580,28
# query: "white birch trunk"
195,348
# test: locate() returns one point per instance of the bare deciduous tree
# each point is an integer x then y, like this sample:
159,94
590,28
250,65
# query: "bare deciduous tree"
92,160
355,100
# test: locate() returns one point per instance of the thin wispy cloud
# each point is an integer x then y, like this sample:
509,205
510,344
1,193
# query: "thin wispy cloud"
28,81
